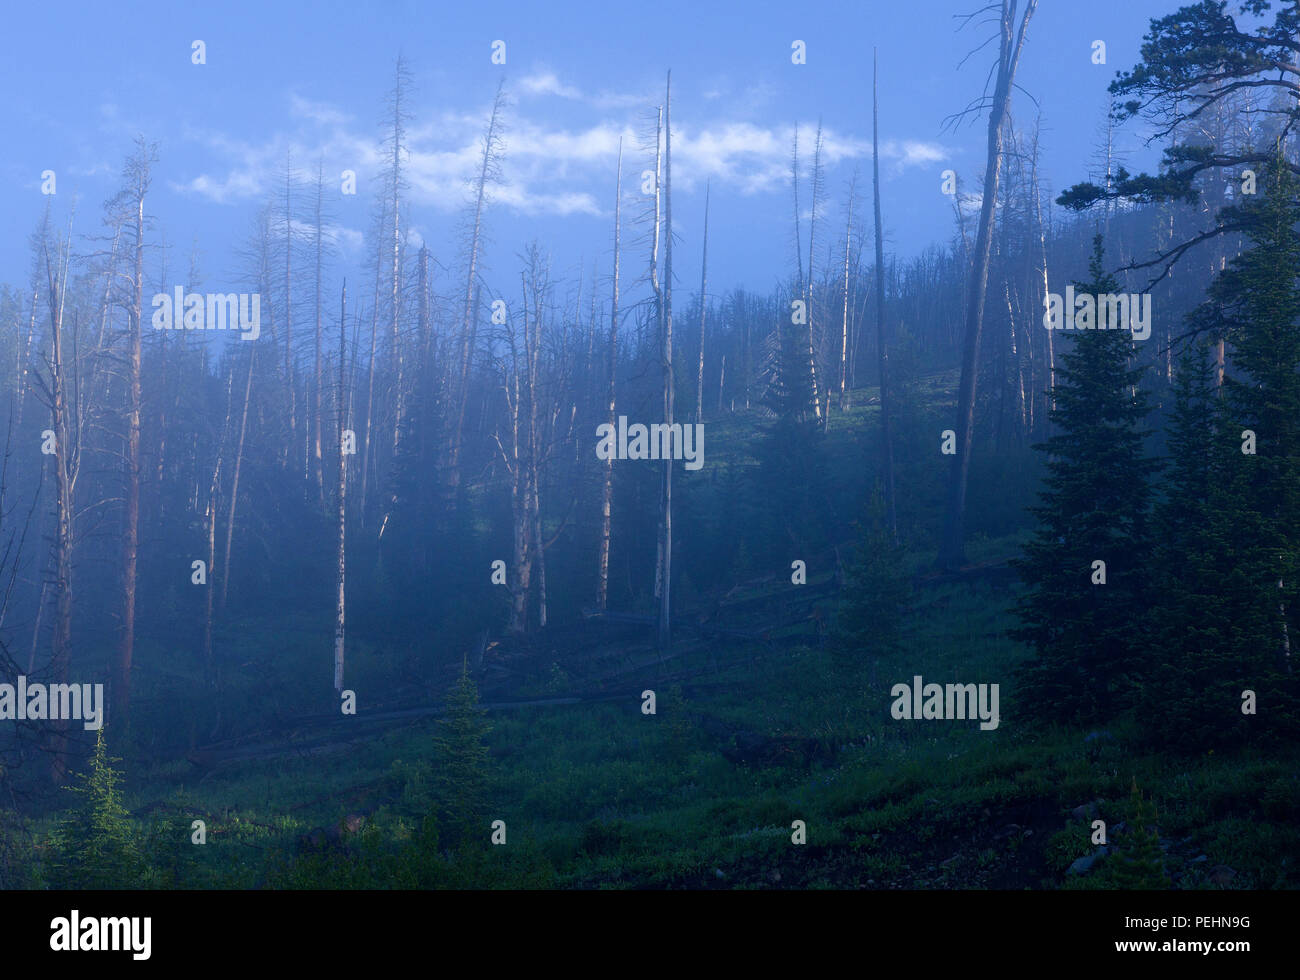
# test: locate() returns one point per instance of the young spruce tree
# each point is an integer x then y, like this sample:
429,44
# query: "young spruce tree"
95,844
1084,620
461,758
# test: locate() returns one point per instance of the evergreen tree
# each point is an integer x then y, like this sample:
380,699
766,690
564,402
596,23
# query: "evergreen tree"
1237,575
1193,617
461,759
1093,509
876,591
95,844
1138,864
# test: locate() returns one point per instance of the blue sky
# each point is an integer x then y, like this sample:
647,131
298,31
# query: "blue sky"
81,80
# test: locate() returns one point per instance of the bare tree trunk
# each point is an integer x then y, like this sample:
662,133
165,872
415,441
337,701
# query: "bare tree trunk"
24,360
1042,264
488,172
704,281
952,551
64,457
234,480
532,348
520,496
395,283
844,333
657,288
317,464
288,307
666,509
887,443
138,171
607,491
210,533
817,182
342,494
722,377
370,405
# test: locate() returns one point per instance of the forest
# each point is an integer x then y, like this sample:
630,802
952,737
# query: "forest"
373,559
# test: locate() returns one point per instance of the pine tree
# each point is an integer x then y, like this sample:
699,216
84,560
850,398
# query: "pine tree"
876,590
1193,616
1138,865
462,762
1252,557
1093,508
95,844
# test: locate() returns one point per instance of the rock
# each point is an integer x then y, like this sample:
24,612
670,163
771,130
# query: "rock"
1101,735
1010,830
1082,866
717,873
1085,864
1119,828
1088,811
1200,859
776,875
1221,874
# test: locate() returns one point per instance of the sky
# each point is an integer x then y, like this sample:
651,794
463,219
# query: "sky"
80,80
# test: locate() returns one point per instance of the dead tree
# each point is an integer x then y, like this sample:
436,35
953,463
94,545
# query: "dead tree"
882,351
489,172
704,306
1011,42
131,198
342,492
607,491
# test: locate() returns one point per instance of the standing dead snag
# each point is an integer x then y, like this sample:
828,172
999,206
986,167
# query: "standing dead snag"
342,491
131,197
65,457
844,333
704,306
489,172
818,182
887,445
666,506
952,549
607,491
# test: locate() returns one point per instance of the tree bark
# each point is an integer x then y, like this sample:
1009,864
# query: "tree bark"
704,281
607,491
666,509
882,354
341,605
138,169
952,551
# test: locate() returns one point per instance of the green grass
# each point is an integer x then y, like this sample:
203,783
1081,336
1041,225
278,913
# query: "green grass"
602,796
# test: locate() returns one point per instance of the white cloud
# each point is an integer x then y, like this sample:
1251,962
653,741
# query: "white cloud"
546,83
316,111
912,153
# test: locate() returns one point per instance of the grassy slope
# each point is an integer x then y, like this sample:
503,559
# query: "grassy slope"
609,797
